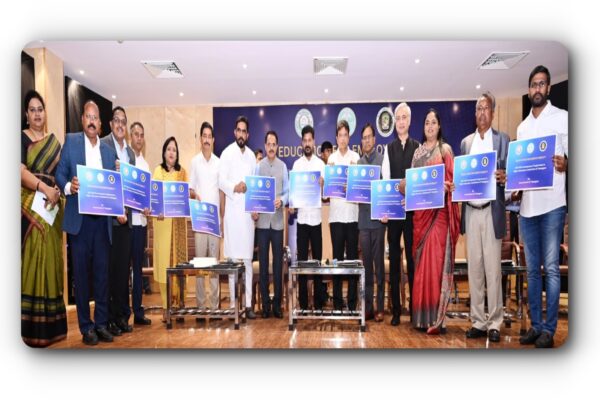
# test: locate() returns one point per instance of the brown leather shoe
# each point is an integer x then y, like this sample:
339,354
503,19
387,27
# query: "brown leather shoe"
379,317
369,316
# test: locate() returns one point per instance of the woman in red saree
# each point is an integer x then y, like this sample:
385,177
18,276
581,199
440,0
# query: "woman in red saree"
435,233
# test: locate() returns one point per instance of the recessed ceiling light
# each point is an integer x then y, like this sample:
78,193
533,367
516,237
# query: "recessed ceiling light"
81,71
417,60
114,96
245,66
180,94
254,92
402,88
326,90
478,87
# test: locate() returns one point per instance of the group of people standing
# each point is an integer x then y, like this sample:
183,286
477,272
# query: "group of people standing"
103,248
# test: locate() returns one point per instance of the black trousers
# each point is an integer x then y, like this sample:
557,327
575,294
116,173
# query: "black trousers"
273,238
138,248
344,240
90,250
118,273
309,234
372,243
397,228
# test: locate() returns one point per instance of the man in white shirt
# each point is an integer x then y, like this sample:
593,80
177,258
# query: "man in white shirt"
484,223
543,212
237,162
204,185
138,231
343,221
309,222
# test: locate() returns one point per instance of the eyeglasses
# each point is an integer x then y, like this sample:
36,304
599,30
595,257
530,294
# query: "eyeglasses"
538,85
119,121
367,137
482,109
238,130
91,117
38,110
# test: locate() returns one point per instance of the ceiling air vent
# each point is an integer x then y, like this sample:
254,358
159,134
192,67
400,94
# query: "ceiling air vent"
163,69
503,59
330,65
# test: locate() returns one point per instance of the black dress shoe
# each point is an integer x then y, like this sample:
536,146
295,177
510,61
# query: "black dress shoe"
90,338
266,314
544,341
494,335
277,314
114,329
530,337
124,326
250,314
104,335
474,333
142,321
395,320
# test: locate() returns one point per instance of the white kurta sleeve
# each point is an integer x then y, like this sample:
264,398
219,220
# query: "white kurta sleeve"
225,184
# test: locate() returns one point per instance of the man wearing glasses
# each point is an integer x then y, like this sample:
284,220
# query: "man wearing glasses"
89,236
543,211
120,249
371,234
396,160
237,162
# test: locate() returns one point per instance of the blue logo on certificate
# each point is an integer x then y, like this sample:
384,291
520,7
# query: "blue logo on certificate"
529,164
260,194
474,177
386,199
359,182
176,199
425,187
305,189
100,191
157,206
205,218
136,187
335,180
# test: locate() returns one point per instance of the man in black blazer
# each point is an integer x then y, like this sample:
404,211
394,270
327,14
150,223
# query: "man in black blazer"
484,223
89,235
120,250
397,158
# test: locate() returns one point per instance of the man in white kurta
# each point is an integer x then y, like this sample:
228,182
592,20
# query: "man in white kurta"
238,161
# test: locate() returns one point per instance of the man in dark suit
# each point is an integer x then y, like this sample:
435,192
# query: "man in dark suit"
397,158
89,235
484,223
120,249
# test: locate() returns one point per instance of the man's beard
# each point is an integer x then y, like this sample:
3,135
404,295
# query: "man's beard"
308,151
240,142
538,100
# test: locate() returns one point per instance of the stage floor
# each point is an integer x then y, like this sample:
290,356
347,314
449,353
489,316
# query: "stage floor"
273,333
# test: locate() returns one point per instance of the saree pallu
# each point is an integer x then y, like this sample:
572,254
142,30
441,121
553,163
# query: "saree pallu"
435,233
43,313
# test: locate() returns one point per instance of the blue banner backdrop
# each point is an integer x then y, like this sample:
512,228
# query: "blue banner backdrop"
457,119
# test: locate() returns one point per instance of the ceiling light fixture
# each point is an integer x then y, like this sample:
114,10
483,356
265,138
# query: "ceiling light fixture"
254,92
478,87
402,88
326,90
180,94
81,72
417,60
114,96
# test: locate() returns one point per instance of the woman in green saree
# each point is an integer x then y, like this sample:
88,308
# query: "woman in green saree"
43,314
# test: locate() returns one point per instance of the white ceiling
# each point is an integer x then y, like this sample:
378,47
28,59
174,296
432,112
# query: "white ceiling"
281,72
